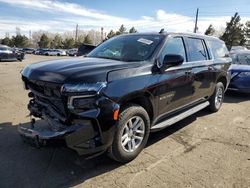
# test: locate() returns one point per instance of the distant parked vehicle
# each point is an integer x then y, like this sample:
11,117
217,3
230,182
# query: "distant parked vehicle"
55,52
72,52
40,51
9,54
234,49
84,49
240,72
28,50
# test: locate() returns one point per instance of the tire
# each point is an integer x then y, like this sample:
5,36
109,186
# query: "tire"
136,136
217,98
58,54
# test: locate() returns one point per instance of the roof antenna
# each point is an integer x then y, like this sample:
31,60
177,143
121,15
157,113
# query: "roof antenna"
162,31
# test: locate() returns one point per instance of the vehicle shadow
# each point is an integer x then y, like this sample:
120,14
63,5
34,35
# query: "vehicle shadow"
157,136
236,97
25,166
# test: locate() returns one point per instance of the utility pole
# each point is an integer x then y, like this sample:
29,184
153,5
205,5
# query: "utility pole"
30,34
102,38
76,32
196,20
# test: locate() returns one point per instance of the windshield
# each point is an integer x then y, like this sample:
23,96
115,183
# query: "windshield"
243,59
127,47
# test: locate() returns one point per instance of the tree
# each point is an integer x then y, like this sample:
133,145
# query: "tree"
234,34
132,30
87,39
210,30
20,41
247,33
44,41
121,30
111,34
79,41
57,42
69,43
7,41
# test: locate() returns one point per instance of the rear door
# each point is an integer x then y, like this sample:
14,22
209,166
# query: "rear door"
202,67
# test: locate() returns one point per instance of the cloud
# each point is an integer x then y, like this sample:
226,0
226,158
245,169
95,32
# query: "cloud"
57,6
63,16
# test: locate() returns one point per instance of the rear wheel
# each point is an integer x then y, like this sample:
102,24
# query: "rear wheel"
217,98
131,135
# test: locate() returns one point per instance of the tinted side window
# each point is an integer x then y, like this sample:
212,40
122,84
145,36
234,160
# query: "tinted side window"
196,49
174,46
218,48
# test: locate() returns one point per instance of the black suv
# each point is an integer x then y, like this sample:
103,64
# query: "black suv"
127,87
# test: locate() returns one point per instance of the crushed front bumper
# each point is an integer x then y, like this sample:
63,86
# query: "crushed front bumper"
89,132
84,138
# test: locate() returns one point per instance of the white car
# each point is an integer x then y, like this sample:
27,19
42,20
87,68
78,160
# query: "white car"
56,52
236,48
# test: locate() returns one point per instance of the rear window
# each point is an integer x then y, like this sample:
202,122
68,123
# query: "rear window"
85,49
218,48
242,59
196,49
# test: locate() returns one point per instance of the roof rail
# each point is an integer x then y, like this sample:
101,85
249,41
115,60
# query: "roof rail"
161,31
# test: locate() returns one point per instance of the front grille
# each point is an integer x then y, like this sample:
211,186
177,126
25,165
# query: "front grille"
48,93
45,88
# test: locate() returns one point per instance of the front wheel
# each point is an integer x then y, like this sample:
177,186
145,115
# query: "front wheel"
217,98
131,135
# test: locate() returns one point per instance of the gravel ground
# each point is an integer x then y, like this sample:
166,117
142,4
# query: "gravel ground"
204,150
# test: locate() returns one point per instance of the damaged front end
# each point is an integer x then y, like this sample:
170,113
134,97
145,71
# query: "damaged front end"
76,114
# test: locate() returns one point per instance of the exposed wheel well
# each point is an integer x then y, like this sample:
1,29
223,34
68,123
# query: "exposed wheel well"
142,101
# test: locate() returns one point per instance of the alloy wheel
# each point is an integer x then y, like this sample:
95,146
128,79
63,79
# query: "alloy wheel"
133,134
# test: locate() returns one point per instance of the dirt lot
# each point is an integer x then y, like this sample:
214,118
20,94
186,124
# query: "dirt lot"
204,150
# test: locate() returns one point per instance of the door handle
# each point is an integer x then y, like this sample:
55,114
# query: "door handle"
210,68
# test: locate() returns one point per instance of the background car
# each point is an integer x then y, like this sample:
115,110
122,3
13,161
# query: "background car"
9,54
72,52
40,51
240,72
55,52
28,50
84,49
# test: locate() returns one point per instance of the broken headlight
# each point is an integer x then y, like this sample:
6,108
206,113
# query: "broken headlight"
81,103
83,88
82,96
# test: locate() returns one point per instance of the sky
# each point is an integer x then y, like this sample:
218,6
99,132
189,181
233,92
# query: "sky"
62,15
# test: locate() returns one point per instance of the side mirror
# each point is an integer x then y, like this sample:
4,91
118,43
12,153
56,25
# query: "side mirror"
172,60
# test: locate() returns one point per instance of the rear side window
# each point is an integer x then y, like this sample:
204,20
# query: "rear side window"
174,46
218,48
196,49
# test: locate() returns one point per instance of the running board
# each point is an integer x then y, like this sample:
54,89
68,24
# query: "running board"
181,116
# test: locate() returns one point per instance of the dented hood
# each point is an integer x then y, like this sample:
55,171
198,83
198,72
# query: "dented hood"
86,70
